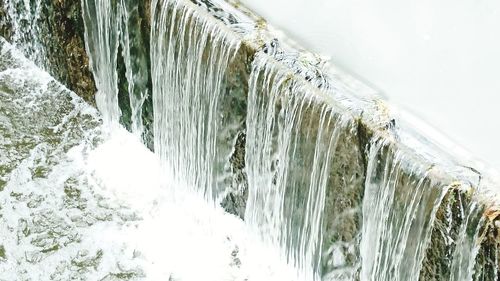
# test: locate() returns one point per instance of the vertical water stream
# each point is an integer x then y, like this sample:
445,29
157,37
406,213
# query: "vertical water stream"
102,40
24,16
111,26
401,202
190,58
135,60
398,214
291,141
467,243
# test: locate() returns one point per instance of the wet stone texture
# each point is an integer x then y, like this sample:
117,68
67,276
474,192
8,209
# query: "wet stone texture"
51,33
234,110
49,211
488,257
5,25
64,42
342,215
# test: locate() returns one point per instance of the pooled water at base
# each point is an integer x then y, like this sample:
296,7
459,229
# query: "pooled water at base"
78,205
182,237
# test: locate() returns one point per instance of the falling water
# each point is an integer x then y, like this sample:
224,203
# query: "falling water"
136,68
101,40
400,206
110,26
186,112
292,133
24,16
286,201
290,146
77,205
190,56
398,214
467,245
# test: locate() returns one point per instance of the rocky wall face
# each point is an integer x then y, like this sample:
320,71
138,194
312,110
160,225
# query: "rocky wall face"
64,41
5,26
59,31
461,221
234,109
488,257
343,209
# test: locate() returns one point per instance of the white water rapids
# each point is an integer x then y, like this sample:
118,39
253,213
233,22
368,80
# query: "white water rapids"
99,207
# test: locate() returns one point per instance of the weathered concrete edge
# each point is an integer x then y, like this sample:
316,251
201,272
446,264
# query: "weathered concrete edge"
371,111
375,121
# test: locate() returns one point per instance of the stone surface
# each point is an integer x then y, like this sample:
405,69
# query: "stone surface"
50,211
59,27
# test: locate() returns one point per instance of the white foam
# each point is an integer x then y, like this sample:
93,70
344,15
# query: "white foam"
180,235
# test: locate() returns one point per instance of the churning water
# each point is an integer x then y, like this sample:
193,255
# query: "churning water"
83,199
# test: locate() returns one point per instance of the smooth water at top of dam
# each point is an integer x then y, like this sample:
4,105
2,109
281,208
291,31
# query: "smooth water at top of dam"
437,59
83,198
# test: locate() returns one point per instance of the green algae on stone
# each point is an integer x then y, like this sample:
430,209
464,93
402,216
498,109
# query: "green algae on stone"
3,255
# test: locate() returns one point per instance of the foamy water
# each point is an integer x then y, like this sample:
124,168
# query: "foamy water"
182,235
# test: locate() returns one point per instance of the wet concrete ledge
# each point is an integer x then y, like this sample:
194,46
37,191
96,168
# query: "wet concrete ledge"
371,122
470,188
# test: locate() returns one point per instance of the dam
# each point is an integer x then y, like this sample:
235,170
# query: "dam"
191,140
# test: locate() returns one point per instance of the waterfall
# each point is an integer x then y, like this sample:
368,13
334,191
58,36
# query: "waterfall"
400,208
291,142
190,58
24,16
109,26
185,49
136,68
290,135
101,40
467,246
398,214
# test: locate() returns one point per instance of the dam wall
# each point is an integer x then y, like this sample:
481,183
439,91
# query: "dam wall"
311,158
